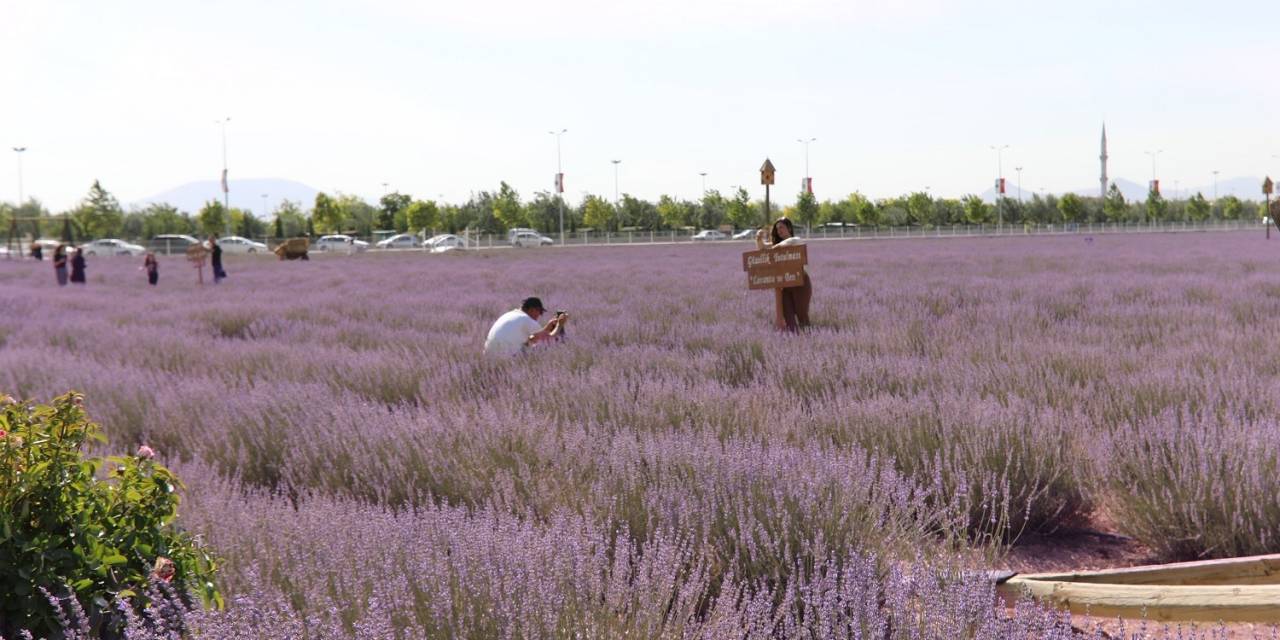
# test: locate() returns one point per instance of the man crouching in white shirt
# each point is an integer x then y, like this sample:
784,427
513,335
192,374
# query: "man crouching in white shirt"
518,329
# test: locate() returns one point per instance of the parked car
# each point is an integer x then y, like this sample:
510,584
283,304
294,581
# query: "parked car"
400,241
531,239
239,244
745,234
171,244
47,246
709,234
112,247
444,242
512,233
339,242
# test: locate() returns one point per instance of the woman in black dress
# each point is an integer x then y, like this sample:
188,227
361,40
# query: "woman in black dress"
218,273
152,268
77,266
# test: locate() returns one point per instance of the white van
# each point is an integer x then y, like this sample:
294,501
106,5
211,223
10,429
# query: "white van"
512,233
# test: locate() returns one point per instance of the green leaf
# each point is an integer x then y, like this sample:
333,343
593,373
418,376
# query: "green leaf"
114,558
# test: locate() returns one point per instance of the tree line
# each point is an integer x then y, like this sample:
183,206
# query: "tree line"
100,215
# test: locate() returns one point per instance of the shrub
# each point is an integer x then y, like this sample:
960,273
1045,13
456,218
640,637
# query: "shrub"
73,535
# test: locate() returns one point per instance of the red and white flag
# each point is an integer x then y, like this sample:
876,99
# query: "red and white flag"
559,183
224,182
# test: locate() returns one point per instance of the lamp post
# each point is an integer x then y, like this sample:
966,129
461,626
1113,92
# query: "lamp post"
1019,170
704,182
226,189
560,180
615,182
264,206
1154,155
808,179
21,196
999,176
1215,186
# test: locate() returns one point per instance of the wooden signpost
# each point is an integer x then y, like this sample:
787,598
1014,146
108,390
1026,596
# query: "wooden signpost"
776,269
196,253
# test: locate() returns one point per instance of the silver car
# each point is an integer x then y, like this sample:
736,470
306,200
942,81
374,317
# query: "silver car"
400,241
238,244
112,247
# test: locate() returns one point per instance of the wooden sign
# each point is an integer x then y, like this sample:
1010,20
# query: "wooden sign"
775,268
1267,186
767,172
196,253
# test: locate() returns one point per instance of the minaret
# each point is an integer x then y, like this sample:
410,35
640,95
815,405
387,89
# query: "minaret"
1102,193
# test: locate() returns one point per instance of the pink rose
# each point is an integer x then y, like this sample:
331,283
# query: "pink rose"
146,452
3,433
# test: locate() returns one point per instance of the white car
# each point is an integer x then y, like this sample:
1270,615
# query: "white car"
745,234
340,243
444,242
709,234
237,244
512,233
400,241
531,239
112,247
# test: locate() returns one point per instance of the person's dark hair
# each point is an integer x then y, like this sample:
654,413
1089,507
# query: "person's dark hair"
773,230
532,303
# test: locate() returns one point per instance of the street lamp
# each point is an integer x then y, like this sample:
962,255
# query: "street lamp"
1019,170
999,176
21,197
226,190
615,181
560,180
1215,185
807,178
1154,155
704,181
264,206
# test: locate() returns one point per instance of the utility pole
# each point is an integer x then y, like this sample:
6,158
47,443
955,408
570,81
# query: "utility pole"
615,182
999,184
226,189
704,182
1019,170
560,180
21,196
1215,187
808,178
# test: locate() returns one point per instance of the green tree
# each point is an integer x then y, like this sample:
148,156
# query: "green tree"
712,211
976,211
598,214
421,215
1198,208
327,215
212,218
99,214
806,209
673,214
863,210
947,211
162,218
291,222
1114,208
919,206
507,209
740,212
1232,208
245,224
543,212
1157,208
390,208
1072,208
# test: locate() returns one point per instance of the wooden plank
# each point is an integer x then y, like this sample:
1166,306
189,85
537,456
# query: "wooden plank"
1263,569
1177,603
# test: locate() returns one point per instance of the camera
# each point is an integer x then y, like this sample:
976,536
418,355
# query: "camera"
560,312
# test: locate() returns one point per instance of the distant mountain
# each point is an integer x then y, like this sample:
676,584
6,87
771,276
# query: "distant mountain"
244,194
1244,188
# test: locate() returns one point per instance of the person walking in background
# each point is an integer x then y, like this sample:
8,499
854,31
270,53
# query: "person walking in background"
60,264
795,300
37,251
77,266
216,261
152,267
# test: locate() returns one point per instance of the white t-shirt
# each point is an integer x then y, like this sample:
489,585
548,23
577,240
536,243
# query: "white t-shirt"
509,334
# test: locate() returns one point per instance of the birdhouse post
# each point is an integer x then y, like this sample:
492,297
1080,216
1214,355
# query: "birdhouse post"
1267,188
766,178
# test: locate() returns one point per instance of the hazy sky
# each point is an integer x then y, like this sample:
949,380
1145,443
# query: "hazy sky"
446,98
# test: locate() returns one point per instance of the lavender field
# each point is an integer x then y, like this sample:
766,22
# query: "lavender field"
677,468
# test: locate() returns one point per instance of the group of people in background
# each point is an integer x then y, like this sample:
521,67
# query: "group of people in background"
149,263
60,265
